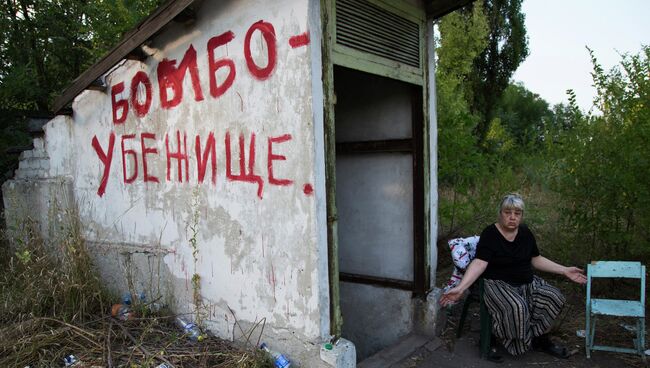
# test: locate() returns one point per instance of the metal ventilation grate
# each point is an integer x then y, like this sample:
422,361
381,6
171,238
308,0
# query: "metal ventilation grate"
369,28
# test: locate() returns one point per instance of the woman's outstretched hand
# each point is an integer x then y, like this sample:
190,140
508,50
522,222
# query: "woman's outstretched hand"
451,296
576,275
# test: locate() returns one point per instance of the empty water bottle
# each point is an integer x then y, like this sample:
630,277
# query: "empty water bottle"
71,361
279,360
190,329
126,298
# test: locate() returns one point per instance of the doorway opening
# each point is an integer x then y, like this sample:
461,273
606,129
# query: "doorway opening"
380,206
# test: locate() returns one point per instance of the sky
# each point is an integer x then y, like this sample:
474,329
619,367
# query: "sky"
558,32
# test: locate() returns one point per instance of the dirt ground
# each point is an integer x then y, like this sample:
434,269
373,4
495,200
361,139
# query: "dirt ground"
464,351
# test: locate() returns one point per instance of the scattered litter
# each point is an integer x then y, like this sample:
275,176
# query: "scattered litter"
109,341
191,330
126,298
647,352
71,361
122,312
580,333
279,360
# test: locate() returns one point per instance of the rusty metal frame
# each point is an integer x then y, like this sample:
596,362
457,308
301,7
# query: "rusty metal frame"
377,281
390,145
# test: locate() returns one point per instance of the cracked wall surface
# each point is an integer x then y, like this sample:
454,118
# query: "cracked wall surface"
200,161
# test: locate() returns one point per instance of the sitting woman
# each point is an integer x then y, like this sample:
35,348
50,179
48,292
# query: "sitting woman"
522,305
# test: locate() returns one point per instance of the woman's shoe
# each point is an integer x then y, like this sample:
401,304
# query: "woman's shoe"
494,356
557,351
544,344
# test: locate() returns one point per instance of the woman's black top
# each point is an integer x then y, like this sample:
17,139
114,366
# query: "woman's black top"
508,260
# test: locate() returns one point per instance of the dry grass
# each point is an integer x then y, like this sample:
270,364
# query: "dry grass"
53,304
60,284
107,342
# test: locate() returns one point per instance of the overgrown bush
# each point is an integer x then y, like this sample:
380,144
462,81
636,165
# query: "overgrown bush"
603,166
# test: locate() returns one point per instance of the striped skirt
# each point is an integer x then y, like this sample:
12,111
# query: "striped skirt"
520,313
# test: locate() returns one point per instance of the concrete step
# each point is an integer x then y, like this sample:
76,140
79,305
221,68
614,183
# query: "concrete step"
394,354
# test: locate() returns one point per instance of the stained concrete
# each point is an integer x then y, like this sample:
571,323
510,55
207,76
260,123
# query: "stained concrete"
398,352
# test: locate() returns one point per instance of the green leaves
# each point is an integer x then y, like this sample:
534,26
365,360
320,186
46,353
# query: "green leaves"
507,47
604,163
45,44
462,166
524,115
24,256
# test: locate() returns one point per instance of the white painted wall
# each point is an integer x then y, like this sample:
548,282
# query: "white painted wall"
259,248
262,256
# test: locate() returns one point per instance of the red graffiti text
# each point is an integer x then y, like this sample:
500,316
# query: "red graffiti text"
170,74
139,153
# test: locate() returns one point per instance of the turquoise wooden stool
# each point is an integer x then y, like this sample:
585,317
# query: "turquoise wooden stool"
486,319
614,307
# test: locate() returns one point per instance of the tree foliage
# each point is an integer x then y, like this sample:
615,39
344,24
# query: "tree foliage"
507,47
45,44
604,164
463,36
471,177
524,115
584,174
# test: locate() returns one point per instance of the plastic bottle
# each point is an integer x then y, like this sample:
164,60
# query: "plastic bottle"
155,307
126,298
190,329
279,360
121,312
71,361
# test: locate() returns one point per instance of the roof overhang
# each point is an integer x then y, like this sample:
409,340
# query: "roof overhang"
439,8
132,40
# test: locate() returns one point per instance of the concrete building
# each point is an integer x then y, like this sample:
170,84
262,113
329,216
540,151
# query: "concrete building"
252,161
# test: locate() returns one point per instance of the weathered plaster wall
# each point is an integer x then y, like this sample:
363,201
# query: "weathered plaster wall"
41,193
212,176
